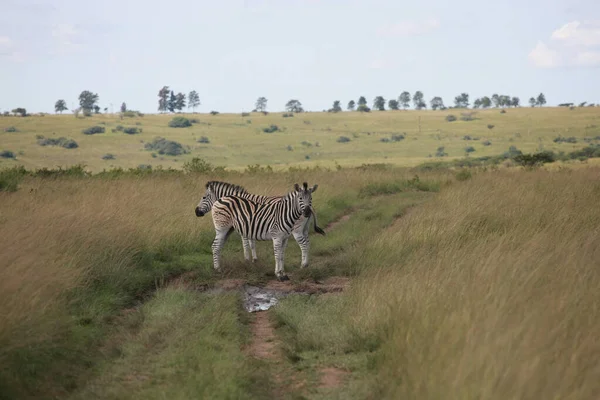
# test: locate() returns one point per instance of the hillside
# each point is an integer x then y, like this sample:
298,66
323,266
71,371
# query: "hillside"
403,138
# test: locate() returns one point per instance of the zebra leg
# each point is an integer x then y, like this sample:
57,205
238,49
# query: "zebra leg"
279,250
220,239
245,243
253,248
301,236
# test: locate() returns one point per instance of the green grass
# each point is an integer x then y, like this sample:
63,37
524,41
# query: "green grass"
236,143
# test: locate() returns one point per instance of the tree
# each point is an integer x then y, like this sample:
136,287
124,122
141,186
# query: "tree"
123,107
193,100
462,100
351,105
362,101
541,99
515,102
379,103
261,104
404,100
294,106
19,110
504,101
532,101
477,103
60,106
336,106
180,101
393,104
496,100
436,103
172,102
163,99
97,109
87,100
418,100
486,102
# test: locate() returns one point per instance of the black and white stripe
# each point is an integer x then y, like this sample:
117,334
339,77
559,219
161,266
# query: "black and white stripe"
216,190
253,220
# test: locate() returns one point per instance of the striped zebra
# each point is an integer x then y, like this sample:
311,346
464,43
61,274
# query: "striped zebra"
261,221
217,189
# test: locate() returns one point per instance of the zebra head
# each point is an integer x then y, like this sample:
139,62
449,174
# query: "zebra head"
214,191
305,198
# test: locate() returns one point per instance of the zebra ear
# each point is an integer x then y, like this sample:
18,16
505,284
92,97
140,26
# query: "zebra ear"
314,188
305,185
296,187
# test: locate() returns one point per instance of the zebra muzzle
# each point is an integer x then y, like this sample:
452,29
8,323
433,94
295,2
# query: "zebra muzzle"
199,212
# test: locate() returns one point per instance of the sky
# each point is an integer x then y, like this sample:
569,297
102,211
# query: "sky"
316,51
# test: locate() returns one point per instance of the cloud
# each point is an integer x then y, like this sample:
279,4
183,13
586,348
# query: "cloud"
575,44
10,51
380,63
409,28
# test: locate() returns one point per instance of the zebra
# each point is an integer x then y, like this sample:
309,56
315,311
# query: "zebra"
261,221
217,189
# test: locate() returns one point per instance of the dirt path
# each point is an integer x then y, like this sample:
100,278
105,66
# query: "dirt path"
340,220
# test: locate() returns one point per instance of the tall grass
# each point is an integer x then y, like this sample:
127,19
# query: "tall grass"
77,249
491,290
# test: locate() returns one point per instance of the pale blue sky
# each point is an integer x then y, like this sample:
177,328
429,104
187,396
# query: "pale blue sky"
316,51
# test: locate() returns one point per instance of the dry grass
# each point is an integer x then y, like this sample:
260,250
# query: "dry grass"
490,291
76,250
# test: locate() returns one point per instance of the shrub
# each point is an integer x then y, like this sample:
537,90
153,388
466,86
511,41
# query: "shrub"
343,139
7,154
561,139
384,140
194,120
305,143
93,130
531,160
450,118
486,143
61,141
166,147
290,148
502,111
11,129
490,126
271,129
203,139
245,114
132,114
214,112
397,137
108,157
463,175
512,152
467,117
287,115
440,152
132,130
199,165
469,149
180,122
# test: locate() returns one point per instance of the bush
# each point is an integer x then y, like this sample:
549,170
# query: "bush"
61,142
490,126
287,115
450,118
132,130
93,130
180,122
7,154
561,139
290,148
271,129
11,129
194,120
463,175
531,160
502,111
166,147
214,112
203,139
512,152
343,139
305,143
469,149
397,137
486,143
467,117
440,152
108,157
132,114
199,165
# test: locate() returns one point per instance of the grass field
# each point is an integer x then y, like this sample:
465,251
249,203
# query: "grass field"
237,141
477,283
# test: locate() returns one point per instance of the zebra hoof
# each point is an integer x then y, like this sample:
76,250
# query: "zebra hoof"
283,278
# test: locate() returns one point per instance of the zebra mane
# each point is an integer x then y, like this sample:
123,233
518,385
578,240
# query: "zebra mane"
235,188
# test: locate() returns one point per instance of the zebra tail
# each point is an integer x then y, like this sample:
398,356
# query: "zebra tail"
317,229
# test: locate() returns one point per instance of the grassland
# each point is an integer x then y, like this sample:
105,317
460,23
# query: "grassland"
306,139
477,283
